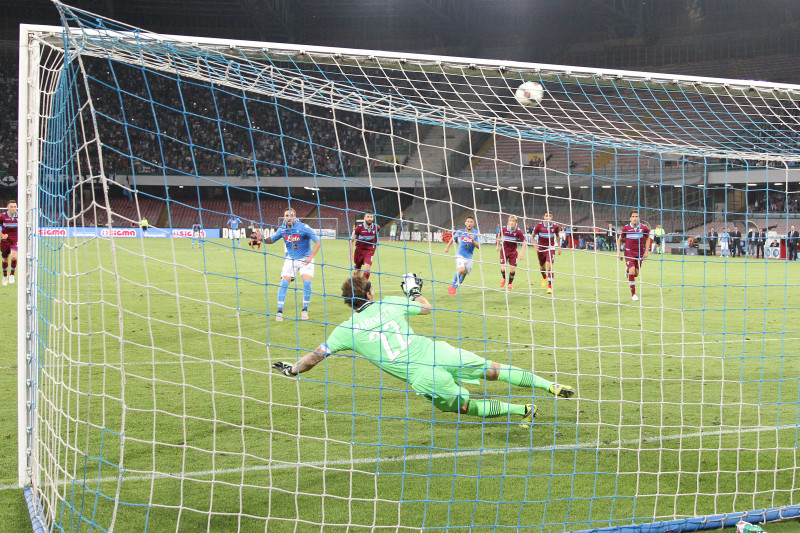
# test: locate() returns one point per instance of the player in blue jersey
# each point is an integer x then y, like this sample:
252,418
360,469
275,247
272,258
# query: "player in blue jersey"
233,223
299,258
468,239
724,243
196,234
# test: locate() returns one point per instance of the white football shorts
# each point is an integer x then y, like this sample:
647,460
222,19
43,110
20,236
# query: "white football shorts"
293,268
464,262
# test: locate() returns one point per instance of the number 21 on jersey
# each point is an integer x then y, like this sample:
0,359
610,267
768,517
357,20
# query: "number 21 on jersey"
394,334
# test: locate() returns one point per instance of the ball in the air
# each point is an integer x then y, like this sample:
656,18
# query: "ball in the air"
529,93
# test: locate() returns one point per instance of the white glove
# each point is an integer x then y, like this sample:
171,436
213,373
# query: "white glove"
411,285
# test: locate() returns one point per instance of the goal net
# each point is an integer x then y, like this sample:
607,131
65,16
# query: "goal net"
147,399
326,228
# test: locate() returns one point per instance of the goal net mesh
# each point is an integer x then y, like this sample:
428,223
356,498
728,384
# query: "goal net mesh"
151,405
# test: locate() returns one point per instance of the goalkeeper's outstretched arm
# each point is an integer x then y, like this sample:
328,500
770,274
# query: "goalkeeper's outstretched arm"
424,304
411,285
305,363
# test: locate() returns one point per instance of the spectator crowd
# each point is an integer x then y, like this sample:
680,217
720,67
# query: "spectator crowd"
151,123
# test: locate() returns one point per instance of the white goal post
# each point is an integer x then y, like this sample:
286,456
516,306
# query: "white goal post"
146,395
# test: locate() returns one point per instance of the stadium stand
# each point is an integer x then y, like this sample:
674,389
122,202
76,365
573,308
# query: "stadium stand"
345,213
308,147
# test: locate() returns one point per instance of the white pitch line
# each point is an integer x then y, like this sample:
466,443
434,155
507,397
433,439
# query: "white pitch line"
421,457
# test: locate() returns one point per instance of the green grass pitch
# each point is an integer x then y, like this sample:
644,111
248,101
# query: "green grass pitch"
687,401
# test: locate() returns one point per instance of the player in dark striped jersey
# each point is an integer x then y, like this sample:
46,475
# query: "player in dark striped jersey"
546,239
255,240
8,245
365,236
509,239
637,240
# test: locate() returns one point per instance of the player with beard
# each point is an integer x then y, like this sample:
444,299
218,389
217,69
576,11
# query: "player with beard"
365,236
546,240
636,238
300,253
509,239
468,239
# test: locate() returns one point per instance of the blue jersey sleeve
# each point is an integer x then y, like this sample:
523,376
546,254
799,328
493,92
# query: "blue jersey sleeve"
279,233
312,235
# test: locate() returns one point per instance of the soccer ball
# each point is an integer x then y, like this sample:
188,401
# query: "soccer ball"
529,93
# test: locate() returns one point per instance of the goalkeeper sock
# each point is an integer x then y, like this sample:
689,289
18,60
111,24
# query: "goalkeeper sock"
306,292
522,378
493,408
282,293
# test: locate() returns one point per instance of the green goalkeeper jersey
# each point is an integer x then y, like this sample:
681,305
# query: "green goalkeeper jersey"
379,332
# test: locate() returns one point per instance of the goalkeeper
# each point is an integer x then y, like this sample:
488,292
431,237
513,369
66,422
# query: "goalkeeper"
378,331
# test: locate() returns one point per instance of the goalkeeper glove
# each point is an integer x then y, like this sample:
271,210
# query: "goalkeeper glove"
284,368
411,285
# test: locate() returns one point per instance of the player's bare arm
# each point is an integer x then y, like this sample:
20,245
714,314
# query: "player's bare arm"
619,247
498,240
314,251
647,247
522,249
447,248
424,304
3,236
304,364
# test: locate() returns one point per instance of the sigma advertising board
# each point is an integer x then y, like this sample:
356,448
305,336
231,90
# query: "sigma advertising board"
124,233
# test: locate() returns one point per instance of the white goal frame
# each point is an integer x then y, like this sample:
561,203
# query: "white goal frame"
29,161
27,184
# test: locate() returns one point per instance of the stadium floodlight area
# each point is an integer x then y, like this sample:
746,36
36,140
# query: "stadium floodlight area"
147,400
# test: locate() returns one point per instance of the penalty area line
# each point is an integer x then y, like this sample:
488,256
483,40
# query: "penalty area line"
423,457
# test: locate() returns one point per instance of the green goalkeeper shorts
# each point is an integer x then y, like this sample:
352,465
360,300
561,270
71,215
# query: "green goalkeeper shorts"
437,376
